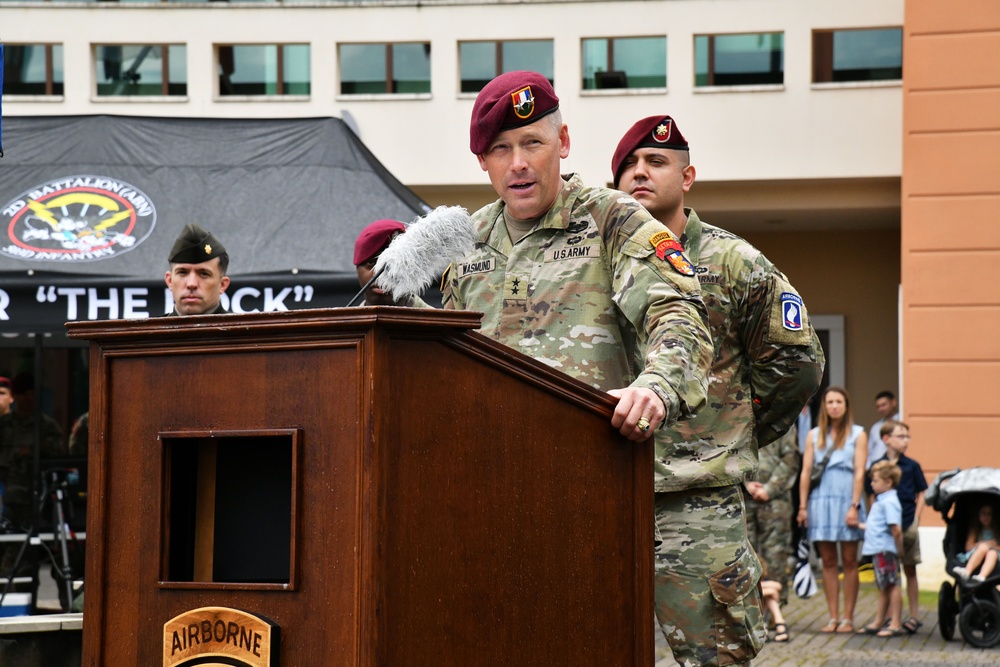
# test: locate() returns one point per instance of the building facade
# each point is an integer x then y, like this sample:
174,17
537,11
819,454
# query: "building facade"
793,112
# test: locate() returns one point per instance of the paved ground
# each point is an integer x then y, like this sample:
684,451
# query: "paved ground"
810,648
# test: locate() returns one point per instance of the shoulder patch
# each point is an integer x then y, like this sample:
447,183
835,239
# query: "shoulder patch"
667,248
788,320
791,311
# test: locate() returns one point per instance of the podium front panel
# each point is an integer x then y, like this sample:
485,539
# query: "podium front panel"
509,520
317,392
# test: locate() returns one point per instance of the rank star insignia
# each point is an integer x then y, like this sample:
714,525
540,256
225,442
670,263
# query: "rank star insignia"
515,289
208,249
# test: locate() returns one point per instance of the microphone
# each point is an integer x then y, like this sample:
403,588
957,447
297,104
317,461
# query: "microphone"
417,257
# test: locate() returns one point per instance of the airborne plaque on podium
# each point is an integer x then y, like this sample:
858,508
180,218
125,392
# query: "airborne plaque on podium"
386,486
238,638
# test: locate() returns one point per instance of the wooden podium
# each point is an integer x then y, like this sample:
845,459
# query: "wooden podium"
384,486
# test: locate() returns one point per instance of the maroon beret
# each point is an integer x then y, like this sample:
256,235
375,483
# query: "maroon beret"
5,383
374,239
511,100
651,132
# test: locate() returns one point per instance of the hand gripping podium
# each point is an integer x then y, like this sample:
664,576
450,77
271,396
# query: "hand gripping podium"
363,487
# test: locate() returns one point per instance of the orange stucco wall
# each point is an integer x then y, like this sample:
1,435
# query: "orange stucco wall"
950,232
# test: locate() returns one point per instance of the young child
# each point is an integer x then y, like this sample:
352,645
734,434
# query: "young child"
980,547
771,594
884,543
895,435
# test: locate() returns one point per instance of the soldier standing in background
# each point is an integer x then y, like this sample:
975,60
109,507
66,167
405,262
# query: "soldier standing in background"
17,442
370,243
197,276
768,364
769,506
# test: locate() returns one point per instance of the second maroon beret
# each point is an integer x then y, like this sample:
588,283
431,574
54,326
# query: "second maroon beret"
650,132
374,238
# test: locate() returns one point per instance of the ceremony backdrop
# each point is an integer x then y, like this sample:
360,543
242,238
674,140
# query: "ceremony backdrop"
90,206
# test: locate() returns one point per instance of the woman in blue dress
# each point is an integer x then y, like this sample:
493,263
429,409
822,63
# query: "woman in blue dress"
833,510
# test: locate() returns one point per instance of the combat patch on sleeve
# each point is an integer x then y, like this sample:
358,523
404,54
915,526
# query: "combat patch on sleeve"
668,248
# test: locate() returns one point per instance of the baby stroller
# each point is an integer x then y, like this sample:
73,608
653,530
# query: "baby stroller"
976,604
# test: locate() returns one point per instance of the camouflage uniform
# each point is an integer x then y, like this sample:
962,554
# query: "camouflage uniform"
17,437
707,594
584,292
769,525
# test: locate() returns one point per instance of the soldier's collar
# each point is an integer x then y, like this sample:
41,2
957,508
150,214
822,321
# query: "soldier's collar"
558,215
691,238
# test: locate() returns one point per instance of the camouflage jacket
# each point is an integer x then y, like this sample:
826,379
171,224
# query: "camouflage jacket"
765,369
584,292
779,465
17,438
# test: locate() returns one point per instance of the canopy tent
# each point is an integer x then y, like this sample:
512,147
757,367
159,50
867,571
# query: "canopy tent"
90,206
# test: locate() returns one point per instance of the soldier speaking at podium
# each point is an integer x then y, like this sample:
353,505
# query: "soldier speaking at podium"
581,278
197,276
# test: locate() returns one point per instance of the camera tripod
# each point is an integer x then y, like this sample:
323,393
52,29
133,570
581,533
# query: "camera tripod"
55,482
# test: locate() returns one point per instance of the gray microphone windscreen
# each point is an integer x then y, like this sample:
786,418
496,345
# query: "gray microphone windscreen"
431,243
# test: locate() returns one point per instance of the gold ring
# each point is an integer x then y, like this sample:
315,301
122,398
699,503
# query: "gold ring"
643,424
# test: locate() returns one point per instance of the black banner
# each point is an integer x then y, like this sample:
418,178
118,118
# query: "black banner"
90,207
45,306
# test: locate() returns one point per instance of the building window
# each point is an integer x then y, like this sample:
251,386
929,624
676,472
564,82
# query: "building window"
625,62
857,55
156,69
739,60
379,69
263,69
33,69
480,62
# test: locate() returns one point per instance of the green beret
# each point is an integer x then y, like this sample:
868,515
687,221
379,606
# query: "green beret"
194,246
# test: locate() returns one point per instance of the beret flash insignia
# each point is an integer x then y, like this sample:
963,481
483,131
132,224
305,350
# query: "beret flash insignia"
661,133
524,102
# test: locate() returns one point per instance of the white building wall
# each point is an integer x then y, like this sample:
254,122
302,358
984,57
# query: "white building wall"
795,132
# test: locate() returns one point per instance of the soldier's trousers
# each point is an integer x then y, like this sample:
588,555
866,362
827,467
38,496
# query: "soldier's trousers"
707,581
769,526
